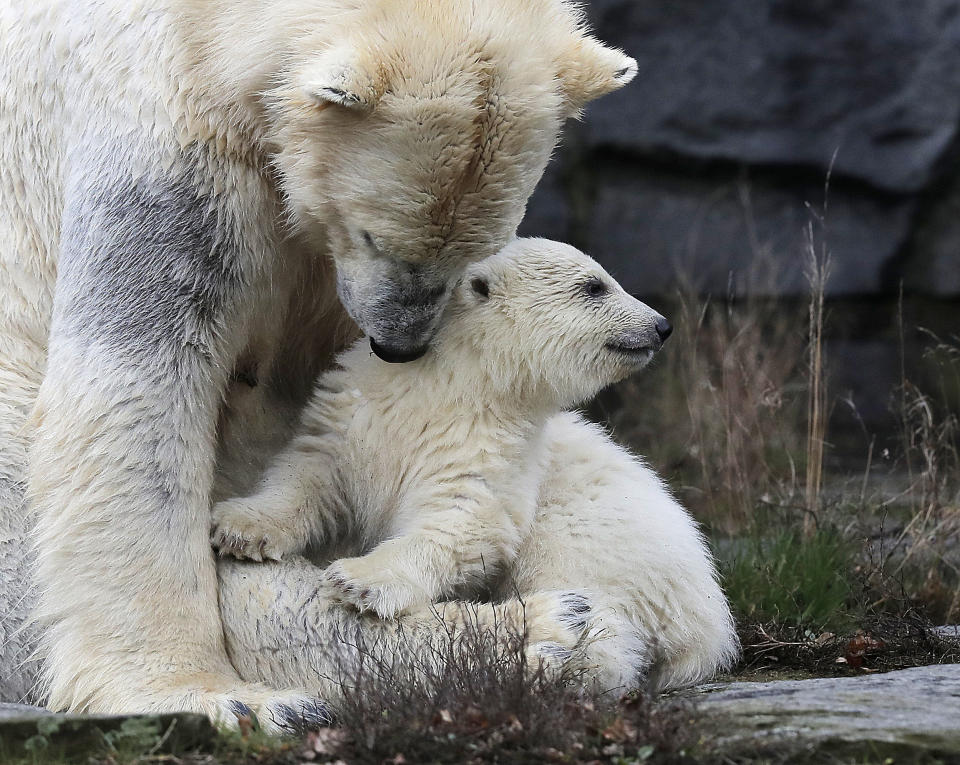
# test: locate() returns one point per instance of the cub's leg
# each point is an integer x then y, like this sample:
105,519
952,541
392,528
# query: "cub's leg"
459,538
291,507
605,527
154,279
297,500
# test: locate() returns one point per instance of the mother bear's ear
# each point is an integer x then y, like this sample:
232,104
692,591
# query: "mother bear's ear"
339,78
589,69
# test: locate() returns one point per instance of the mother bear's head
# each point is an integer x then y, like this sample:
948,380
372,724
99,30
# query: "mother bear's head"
409,135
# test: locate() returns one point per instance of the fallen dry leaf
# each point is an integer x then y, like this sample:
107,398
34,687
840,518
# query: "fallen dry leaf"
859,646
514,724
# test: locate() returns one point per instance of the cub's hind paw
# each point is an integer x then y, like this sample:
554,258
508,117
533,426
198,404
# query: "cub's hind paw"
556,618
555,625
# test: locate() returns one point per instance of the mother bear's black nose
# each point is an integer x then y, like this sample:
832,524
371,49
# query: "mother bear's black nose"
664,329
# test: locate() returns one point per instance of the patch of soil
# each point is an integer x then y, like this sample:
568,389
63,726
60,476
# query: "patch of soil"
883,644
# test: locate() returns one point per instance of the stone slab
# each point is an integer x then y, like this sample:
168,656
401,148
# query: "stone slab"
913,709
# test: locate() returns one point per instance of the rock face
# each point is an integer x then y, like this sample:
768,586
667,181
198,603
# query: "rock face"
790,82
914,709
716,156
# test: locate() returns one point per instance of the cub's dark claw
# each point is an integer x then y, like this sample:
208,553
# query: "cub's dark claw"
554,651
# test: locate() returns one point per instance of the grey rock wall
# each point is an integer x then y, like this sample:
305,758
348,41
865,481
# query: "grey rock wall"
712,163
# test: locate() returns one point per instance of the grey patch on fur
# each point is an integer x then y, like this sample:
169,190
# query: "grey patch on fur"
144,262
149,271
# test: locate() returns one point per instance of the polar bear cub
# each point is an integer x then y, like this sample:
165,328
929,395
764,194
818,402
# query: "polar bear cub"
442,458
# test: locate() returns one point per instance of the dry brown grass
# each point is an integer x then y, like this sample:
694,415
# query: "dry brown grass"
725,418
476,699
818,273
739,420
923,548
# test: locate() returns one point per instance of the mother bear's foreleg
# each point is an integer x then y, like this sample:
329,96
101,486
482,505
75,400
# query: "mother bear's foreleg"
152,275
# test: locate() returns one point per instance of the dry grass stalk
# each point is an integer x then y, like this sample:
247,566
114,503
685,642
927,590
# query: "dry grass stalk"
817,273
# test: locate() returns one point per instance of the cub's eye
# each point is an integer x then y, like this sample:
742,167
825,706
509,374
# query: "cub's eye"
595,288
368,240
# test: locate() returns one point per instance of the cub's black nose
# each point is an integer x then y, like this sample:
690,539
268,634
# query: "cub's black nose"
664,329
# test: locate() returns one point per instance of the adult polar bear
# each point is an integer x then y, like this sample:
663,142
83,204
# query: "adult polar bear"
178,180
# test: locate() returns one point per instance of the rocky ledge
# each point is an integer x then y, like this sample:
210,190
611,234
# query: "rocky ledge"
913,712
910,715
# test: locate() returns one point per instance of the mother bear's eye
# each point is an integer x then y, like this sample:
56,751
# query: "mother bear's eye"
595,288
368,240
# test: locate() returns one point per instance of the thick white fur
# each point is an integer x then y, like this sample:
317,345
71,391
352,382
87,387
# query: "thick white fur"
142,376
458,471
434,465
605,526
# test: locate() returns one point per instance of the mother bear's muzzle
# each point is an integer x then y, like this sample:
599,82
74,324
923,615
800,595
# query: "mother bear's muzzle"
403,324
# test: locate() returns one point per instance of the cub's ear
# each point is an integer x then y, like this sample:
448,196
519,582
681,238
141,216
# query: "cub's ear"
474,286
480,287
338,79
590,69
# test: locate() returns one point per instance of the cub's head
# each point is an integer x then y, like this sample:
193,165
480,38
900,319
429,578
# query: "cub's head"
410,133
542,316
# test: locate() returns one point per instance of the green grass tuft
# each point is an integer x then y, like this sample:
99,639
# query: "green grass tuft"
791,580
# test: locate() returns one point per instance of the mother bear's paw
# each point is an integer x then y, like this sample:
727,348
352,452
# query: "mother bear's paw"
277,712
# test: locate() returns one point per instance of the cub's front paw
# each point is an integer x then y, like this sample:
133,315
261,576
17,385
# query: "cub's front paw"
361,583
238,530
